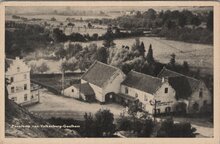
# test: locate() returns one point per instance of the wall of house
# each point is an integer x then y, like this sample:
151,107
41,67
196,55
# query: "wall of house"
20,73
195,98
71,92
143,97
113,85
97,90
165,100
34,98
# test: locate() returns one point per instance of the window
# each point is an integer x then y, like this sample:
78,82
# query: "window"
25,76
72,90
145,97
205,102
166,90
18,69
14,98
25,97
136,95
32,96
167,109
201,93
144,106
25,86
12,79
156,111
12,89
196,106
126,90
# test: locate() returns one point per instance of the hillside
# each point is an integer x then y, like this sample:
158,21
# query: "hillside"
19,116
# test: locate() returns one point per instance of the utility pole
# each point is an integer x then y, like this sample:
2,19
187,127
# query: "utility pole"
155,110
62,81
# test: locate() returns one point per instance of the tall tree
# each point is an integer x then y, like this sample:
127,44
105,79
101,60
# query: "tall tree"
108,38
185,67
142,49
196,21
150,14
104,121
102,55
182,20
88,129
149,57
136,45
172,60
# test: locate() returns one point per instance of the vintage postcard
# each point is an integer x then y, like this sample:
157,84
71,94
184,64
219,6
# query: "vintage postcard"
129,72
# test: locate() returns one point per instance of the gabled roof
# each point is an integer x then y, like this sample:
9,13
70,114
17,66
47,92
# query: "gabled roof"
180,81
85,88
181,85
142,82
99,73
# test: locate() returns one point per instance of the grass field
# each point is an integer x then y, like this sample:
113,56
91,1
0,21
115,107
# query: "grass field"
197,55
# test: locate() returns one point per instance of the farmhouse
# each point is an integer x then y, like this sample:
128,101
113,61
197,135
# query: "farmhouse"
169,92
189,91
148,90
19,87
104,80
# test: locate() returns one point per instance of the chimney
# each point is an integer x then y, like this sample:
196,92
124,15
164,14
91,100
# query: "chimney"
164,79
17,58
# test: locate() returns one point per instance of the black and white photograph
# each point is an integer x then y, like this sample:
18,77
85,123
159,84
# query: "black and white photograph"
109,71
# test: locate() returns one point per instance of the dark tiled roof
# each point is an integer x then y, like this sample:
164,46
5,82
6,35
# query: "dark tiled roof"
99,73
85,88
8,62
181,86
142,82
187,83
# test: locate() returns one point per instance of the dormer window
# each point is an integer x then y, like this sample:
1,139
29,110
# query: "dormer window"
25,86
166,90
18,69
201,93
126,90
12,79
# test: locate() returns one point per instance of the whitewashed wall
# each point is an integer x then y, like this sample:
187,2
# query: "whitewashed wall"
71,92
200,100
166,99
113,85
18,69
143,97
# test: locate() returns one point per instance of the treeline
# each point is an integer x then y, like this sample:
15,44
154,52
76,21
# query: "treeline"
183,25
103,124
115,33
24,38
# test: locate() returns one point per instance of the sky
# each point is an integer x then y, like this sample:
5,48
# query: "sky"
47,9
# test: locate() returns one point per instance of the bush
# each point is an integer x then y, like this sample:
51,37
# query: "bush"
124,124
139,127
170,129
99,126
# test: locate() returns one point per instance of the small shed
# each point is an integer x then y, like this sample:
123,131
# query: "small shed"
80,91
